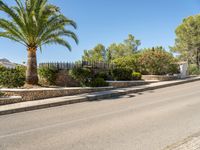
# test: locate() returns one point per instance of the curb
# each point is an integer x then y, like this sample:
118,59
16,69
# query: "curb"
89,97
191,142
182,81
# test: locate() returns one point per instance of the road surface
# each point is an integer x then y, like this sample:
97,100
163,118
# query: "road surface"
151,120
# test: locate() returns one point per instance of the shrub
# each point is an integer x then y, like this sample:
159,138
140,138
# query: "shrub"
130,62
1,94
83,75
157,61
104,75
49,74
98,82
193,69
88,77
174,69
14,77
122,74
136,76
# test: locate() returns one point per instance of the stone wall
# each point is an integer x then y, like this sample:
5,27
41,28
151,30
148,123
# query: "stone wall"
121,84
10,100
43,93
159,77
62,79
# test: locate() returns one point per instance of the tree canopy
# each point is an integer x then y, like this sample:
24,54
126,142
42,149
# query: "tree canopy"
187,42
98,53
35,23
128,47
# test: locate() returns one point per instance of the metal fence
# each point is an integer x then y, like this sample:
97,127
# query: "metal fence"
70,65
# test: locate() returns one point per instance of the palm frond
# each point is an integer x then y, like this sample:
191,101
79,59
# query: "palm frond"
12,29
35,23
10,12
59,41
11,37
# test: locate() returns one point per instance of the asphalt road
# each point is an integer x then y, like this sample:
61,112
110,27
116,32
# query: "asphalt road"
150,120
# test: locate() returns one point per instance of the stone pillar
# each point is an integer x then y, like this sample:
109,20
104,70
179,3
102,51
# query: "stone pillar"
183,70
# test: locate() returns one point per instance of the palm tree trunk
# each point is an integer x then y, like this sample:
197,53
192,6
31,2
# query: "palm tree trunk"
31,72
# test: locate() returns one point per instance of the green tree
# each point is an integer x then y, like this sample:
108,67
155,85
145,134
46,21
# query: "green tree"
117,50
187,42
131,43
35,23
128,47
98,53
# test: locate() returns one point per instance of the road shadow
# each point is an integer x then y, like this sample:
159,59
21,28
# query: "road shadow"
118,96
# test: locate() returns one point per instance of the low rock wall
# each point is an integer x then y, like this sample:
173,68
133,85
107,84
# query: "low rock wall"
118,84
43,93
159,77
10,100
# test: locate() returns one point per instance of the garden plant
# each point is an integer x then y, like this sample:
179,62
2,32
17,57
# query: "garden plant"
12,77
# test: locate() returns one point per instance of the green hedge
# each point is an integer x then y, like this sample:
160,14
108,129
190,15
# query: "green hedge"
87,77
106,75
194,70
98,82
1,94
49,74
122,74
136,76
83,75
130,62
12,77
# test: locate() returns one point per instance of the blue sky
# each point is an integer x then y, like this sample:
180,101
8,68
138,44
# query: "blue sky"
107,21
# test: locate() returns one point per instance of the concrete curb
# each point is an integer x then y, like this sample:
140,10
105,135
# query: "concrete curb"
41,104
182,81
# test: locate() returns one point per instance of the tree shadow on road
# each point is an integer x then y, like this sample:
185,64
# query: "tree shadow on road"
118,96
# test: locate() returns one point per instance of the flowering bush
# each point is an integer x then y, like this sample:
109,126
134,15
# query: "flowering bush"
157,61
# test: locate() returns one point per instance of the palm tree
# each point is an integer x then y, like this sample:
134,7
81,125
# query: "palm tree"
34,23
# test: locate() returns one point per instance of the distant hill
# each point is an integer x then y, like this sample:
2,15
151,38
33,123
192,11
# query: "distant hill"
8,64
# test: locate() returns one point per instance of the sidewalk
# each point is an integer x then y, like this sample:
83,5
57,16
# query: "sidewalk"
52,102
190,143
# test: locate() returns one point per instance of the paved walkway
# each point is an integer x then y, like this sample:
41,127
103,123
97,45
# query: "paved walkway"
190,143
52,102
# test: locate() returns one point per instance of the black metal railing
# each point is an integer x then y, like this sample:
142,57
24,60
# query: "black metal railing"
71,65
